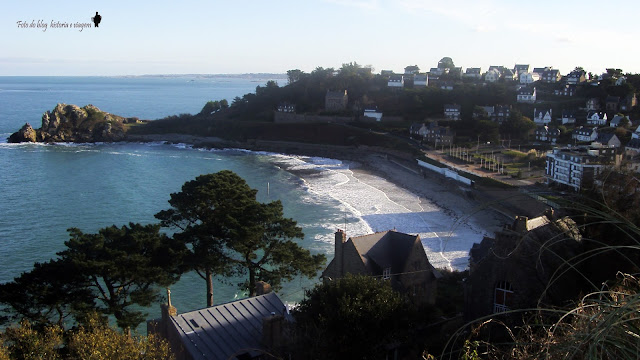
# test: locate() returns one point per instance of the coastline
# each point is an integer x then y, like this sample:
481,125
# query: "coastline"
389,172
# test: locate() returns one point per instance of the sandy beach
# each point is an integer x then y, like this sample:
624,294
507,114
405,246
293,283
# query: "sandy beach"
388,191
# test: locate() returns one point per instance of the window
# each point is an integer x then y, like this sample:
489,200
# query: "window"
503,297
386,273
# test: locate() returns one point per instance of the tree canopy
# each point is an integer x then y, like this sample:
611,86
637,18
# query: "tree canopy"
229,231
351,318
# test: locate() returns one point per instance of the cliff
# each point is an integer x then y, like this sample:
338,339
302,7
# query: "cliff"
71,123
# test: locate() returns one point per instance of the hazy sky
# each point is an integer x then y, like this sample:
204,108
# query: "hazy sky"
213,37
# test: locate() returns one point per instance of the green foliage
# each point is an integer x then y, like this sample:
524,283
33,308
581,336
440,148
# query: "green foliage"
213,106
351,318
93,341
51,293
97,341
123,267
228,230
27,343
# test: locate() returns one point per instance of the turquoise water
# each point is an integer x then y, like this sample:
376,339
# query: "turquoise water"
46,189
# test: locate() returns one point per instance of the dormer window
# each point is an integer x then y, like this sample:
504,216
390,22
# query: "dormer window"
386,273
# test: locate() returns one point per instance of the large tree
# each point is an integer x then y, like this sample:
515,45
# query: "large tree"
124,267
262,247
354,317
229,231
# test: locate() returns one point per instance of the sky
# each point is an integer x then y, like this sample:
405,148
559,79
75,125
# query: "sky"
246,36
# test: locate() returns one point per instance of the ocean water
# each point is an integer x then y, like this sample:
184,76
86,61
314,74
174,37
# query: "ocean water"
46,189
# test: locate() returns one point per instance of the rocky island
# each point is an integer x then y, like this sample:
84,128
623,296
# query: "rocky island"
71,123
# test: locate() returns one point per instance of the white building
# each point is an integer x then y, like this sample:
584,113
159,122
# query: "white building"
526,95
578,167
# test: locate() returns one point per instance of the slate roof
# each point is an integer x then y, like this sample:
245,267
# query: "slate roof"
604,138
634,144
219,332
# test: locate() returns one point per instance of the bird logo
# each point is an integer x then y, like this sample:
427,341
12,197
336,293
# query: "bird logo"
96,19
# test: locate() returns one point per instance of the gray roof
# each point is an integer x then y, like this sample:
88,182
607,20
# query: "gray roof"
224,330
634,143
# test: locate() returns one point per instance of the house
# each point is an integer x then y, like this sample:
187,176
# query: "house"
420,80
411,70
579,167
629,102
576,77
446,85
597,118
501,113
621,81
526,95
473,73
612,103
633,147
452,111
568,117
566,90
393,256
396,81
386,72
492,75
542,116
608,139
593,104
372,112
286,107
509,75
527,78
438,71
551,75
513,270
336,100
585,134
419,130
482,112
547,134
242,329
618,120
520,68
439,135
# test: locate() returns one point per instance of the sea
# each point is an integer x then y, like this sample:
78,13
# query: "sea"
47,189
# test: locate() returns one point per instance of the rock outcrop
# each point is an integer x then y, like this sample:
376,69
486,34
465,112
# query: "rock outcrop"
71,123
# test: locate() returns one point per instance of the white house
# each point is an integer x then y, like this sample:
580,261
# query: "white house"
529,78
585,134
372,112
526,95
542,116
596,118
420,80
396,81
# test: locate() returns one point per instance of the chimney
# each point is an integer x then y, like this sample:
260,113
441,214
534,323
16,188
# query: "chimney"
520,225
550,214
262,288
167,311
341,238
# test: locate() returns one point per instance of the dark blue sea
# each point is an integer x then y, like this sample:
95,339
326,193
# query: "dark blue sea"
46,189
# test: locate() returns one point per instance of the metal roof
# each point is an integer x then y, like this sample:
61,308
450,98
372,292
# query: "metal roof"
227,330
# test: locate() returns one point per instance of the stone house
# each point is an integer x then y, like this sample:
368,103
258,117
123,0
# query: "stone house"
576,77
336,100
390,256
612,103
566,90
439,135
517,268
593,104
547,134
